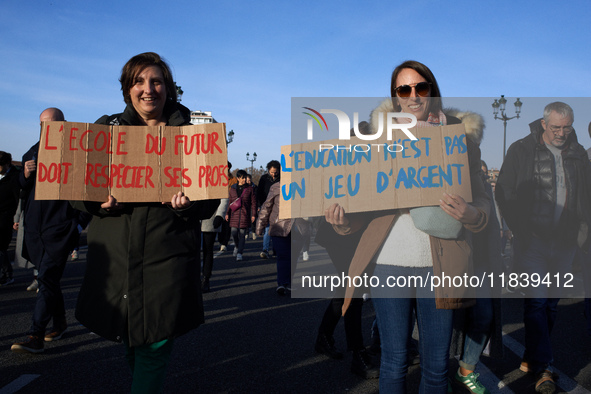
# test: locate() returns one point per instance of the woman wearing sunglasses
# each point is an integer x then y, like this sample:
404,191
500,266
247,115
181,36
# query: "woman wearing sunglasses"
404,250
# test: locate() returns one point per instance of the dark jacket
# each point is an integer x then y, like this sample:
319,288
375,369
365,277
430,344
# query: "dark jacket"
487,259
264,186
241,218
50,225
526,189
9,196
142,275
269,216
452,256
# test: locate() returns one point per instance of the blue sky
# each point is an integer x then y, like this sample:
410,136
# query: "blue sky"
245,60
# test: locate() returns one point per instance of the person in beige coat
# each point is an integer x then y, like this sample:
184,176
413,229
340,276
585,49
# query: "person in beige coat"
391,246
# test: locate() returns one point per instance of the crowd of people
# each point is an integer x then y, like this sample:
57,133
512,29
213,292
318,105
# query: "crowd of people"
541,202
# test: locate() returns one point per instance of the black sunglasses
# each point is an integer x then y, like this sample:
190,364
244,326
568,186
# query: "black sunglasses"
422,88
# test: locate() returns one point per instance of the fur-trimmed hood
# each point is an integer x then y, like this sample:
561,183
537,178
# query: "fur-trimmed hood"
473,122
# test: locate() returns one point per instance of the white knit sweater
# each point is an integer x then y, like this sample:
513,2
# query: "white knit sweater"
406,246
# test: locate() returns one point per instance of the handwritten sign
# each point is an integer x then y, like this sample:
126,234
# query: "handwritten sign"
84,161
380,175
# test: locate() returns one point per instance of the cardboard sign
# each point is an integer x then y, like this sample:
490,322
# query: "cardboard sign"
374,176
83,161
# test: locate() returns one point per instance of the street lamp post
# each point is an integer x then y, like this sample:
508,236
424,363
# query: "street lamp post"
179,92
500,105
254,158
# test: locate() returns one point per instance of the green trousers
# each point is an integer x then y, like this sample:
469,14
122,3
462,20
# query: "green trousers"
148,365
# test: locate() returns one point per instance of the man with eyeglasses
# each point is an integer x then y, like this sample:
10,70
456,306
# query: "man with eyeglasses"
542,194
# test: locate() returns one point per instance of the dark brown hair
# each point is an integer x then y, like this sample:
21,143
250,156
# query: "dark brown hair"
273,164
136,65
5,158
425,72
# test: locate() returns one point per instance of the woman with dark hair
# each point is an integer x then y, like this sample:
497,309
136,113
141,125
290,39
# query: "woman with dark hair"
413,88
241,212
141,285
286,238
272,176
403,91
136,66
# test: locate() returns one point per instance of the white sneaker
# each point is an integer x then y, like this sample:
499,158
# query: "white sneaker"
239,257
74,255
305,256
254,237
223,248
235,253
33,286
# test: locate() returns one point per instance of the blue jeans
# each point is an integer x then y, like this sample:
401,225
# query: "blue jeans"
479,319
395,323
541,304
266,240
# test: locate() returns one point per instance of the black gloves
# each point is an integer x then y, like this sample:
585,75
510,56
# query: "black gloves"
217,221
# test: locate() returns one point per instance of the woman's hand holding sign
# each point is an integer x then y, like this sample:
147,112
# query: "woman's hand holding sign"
180,201
111,204
335,214
456,207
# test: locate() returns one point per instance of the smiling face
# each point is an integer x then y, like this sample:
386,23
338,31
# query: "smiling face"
148,95
415,104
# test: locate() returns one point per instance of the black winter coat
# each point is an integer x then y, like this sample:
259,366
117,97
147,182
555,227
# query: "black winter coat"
142,275
526,189
264,186
51,226
9,196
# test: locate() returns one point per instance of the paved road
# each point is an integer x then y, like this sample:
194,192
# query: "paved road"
254,341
